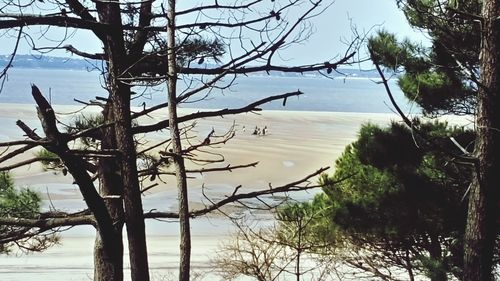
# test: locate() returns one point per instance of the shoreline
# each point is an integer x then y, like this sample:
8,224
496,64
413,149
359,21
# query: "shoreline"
77,107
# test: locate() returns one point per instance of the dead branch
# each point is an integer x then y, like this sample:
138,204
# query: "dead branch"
74,165
17,152
61,21
20,142
3,74
205,114
293,186
74,51
216,6
48,223
26,162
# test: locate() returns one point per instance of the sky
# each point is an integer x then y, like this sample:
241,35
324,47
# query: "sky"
332,28
367,16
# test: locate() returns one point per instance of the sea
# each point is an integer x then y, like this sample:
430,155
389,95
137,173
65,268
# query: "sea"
341,94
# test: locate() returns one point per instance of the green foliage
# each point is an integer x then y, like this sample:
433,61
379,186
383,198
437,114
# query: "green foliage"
456,35
198,50
302,224
50,160
446,84
13,202
85,122
399,196
434,269
438,78
22,204
386,50
6,181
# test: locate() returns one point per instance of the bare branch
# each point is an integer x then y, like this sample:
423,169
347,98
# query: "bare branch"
25,162
48,223
293,186
204,114
61,21
3,74
216,6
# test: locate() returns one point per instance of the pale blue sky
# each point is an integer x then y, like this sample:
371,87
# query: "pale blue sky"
332,27
366,15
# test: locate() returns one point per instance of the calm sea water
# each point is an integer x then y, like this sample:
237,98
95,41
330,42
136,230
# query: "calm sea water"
320,94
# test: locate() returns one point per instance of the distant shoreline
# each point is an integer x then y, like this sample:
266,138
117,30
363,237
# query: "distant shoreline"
65,63
186,110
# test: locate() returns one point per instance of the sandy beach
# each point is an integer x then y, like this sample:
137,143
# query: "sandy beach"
296,144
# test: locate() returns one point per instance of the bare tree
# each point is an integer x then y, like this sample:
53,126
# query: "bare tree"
288,249
238,38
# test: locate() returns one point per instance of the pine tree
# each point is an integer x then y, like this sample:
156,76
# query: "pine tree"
458,74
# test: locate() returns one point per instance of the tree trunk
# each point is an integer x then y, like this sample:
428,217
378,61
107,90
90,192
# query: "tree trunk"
109,266
409,266
134,219
120,94
180,171
299,247
480,231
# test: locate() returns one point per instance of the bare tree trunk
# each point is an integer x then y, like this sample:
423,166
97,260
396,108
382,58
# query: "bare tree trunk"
483,198
134,219
120,94
409,266
299,252
180,170
109,266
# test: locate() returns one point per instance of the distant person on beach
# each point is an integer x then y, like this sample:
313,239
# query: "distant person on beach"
255,131
259,132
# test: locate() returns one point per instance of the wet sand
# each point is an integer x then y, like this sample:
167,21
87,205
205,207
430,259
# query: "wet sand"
295,144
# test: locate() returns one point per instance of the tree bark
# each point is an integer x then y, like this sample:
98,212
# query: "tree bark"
480,231
120,94
180,170
136,229
109,266
109,250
